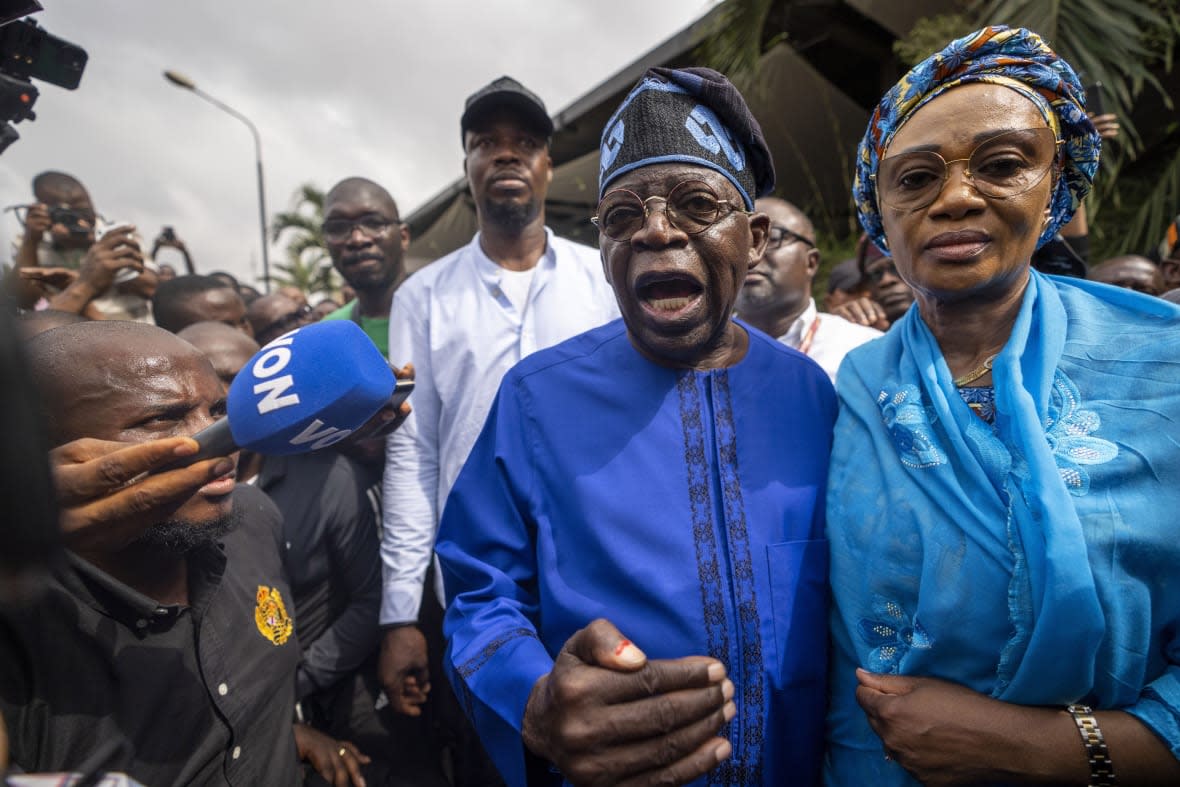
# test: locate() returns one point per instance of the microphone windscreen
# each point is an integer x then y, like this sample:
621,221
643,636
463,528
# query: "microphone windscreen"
308,389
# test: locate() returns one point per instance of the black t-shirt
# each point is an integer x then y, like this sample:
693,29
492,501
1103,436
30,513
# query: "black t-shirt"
331,523
96,676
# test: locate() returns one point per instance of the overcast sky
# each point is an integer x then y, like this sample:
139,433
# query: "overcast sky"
355,87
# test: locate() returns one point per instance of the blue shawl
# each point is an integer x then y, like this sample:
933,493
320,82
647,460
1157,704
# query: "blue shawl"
1037,560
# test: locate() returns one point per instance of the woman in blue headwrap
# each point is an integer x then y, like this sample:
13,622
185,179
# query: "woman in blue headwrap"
1005,484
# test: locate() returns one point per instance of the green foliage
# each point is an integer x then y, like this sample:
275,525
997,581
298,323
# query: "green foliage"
308,265
833,250
1122,44
734,45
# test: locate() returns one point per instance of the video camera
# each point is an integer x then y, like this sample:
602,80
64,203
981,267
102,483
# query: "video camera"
27,52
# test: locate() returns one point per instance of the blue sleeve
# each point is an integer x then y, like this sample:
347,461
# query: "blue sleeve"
1158,706
487,548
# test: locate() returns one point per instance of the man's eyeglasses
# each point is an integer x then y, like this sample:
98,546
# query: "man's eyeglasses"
338,230
780,236
691,207
1004,166
287,322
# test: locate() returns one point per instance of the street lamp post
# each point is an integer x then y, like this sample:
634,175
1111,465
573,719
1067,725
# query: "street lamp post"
180,80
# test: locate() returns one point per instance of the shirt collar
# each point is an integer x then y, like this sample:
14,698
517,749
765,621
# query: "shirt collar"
112,598
794,334
491,273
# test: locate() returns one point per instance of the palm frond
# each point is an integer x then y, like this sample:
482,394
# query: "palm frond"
735,44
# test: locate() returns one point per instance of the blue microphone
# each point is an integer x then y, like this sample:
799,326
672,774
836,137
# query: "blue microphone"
306,390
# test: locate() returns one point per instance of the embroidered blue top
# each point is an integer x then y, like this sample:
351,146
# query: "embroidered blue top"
1034,559
686,507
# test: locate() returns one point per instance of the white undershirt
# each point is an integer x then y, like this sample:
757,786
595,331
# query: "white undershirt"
515,285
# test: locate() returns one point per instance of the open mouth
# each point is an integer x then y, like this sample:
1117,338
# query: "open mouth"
668,295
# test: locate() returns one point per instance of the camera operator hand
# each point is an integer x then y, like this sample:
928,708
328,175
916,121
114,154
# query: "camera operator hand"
37,223
115,251
169,239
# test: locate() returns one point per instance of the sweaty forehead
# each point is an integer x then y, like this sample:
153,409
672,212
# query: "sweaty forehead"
965,116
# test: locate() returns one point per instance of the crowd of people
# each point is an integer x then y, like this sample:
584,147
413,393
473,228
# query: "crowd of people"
652,514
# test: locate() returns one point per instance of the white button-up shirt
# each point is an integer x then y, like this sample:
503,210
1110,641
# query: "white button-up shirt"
453,322
833,338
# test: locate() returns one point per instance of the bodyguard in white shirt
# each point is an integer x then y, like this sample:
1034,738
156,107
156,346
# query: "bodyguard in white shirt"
463,321
776,297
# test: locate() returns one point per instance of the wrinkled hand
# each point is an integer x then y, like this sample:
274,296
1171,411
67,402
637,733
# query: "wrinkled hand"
116,250
339,762
863,311
1107,125
941,732
43,277
104,503
403,671
605,715
37,222
144,285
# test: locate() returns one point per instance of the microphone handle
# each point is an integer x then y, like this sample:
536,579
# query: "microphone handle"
215,440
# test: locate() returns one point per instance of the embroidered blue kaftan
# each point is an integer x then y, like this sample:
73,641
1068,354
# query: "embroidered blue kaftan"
1036,559
683,506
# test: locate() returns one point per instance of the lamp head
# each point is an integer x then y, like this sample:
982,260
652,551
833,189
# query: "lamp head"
180,80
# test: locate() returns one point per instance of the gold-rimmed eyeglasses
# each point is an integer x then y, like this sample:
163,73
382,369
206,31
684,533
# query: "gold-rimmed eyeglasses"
691,207
1003,166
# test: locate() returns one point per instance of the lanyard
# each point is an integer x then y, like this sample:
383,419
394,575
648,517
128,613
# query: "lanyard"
809,336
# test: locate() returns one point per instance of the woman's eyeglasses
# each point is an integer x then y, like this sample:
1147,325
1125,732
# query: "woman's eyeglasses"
1004,166
691,207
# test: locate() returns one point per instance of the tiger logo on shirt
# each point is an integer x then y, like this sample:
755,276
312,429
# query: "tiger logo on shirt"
271,616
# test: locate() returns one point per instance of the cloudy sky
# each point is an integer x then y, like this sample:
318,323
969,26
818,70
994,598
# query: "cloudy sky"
355,87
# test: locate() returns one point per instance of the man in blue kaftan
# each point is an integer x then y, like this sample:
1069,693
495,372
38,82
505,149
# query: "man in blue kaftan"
658,480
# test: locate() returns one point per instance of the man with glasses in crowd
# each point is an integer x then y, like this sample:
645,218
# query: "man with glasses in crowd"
643,511
273,315
776,297
367,243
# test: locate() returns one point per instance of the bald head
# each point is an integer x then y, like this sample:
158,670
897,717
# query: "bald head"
228,349
48,184
1131,272
787,214
356,188
96,378
32,323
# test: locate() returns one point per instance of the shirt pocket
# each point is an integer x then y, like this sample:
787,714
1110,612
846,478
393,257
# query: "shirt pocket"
798,573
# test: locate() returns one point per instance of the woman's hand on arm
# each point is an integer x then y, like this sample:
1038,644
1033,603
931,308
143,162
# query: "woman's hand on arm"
947,734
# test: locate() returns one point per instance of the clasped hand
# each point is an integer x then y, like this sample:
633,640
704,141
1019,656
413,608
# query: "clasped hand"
606,714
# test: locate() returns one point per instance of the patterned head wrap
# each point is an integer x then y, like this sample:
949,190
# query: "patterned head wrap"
1015,58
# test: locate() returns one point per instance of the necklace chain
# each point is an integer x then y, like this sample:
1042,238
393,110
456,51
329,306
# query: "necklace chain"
976,373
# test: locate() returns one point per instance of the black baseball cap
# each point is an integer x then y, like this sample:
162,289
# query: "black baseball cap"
506,92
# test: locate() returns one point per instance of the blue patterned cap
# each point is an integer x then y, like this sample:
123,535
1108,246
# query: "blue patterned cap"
1013,57
689,115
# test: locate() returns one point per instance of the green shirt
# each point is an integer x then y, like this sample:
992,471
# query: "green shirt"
376,328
